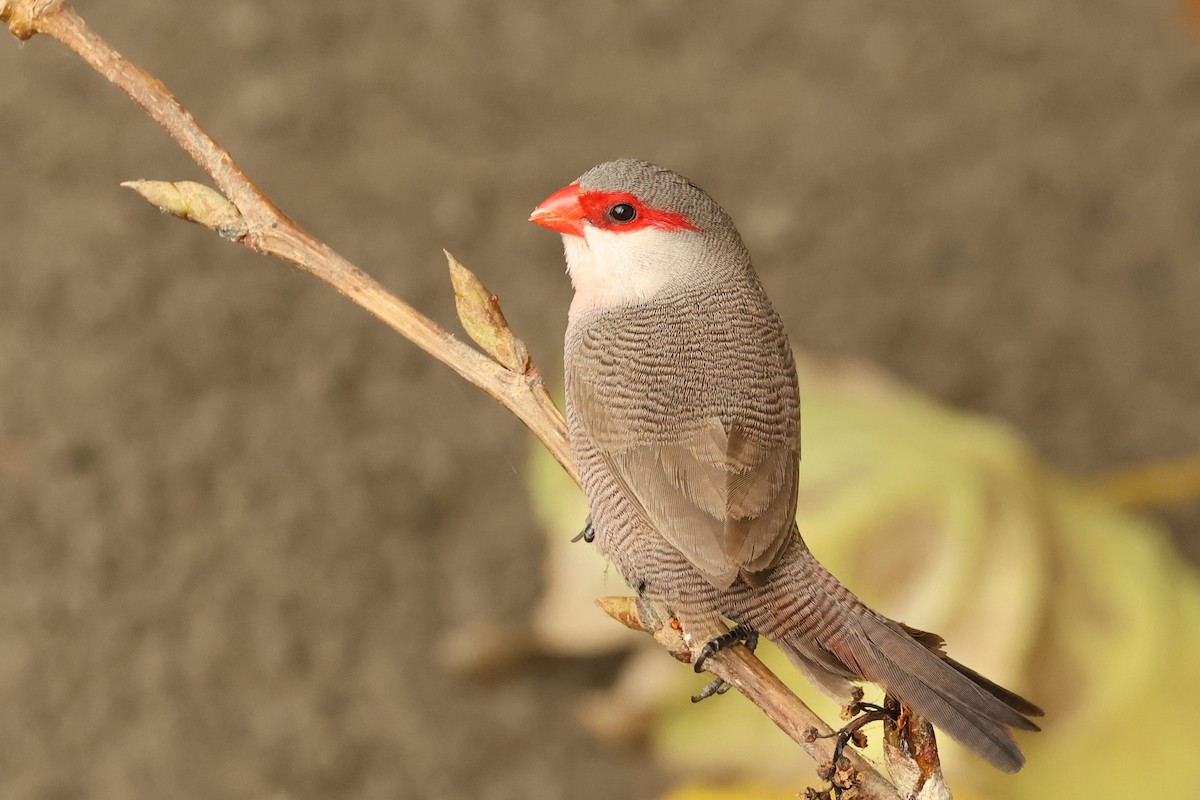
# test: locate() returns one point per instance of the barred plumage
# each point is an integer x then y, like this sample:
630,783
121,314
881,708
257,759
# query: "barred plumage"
685,424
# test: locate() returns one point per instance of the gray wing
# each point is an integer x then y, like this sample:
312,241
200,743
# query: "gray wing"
723,496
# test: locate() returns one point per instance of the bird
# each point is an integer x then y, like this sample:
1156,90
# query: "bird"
683,411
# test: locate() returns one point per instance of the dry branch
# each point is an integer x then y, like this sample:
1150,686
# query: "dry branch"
241,212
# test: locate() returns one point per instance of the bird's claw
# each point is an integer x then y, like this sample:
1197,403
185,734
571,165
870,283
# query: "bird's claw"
587,534
738,633
713,687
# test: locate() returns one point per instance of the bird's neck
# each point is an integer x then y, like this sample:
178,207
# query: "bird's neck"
611,270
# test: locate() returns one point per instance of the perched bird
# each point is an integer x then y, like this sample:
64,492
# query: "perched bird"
684,418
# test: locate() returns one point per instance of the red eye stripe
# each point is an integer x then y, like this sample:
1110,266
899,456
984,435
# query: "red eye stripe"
596,205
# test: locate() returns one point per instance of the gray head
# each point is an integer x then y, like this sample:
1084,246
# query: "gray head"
633,231
658,189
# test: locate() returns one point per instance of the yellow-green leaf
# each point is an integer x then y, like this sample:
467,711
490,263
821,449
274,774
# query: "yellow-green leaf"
949,522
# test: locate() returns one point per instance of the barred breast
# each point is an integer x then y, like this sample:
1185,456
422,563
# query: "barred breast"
640,379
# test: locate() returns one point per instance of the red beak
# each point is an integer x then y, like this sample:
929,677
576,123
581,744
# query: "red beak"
561,211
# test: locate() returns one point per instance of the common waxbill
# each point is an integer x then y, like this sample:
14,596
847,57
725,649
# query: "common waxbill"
684,417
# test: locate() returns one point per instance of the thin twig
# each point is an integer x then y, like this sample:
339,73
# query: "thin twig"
266,229
257,223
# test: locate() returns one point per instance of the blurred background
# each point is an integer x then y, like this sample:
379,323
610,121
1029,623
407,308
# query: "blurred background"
240,519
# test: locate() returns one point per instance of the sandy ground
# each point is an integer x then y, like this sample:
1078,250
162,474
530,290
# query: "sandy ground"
235,511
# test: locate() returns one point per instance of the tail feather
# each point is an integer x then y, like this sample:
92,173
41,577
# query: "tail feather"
835,639
951,699
1009,698
969,708
938,645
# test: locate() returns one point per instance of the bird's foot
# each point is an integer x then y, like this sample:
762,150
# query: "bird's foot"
587,534
713,687
738,633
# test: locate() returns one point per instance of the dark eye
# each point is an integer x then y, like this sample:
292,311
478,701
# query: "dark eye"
622,212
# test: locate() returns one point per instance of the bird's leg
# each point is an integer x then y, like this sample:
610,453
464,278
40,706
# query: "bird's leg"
652,614
738,633
588,533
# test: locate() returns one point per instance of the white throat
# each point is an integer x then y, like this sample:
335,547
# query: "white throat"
613,269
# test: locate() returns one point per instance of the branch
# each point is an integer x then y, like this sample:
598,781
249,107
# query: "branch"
241,212
742,670
259,225
1171,483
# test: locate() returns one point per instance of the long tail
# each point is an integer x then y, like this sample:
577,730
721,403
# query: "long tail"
839,640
